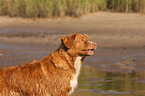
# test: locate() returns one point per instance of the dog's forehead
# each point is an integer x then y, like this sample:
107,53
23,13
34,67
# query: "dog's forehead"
82,36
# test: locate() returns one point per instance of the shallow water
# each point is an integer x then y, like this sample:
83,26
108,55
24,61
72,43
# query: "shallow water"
109,72
100,83
19,54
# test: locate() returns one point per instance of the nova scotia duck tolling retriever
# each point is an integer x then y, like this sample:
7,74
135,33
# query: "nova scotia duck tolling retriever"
54,75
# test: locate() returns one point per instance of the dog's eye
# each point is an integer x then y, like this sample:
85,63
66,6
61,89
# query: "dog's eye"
82,39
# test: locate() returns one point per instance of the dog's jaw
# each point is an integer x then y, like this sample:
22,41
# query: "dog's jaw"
74,80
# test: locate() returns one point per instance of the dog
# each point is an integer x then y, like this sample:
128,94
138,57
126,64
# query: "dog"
54,75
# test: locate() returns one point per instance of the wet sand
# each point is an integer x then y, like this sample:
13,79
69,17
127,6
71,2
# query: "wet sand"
107,29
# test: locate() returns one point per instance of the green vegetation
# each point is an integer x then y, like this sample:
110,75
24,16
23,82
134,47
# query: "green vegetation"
126,5
56,8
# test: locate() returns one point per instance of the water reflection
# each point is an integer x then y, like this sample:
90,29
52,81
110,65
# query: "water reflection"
101,83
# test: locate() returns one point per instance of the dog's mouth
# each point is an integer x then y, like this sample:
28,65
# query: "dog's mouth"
89,51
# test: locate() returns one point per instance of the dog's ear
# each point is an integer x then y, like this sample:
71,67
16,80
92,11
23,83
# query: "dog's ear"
68,40
86,36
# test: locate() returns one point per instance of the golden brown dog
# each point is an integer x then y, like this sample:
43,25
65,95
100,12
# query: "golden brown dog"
55,75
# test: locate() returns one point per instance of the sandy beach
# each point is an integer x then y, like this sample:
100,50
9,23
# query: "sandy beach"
107,29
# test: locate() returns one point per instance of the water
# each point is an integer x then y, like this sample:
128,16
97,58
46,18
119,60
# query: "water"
100,83
103,74
19,54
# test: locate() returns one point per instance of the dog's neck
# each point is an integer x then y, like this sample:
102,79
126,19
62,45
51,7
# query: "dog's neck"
70,51
75,64
69,54
63,59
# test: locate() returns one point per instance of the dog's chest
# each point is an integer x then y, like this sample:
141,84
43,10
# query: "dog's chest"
74,81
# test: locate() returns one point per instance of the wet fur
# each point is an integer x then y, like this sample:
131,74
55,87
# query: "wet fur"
54,75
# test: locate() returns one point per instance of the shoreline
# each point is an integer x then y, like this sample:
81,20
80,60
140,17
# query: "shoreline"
125,30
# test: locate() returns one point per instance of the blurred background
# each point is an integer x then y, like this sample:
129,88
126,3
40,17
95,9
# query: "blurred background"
56,8
32,29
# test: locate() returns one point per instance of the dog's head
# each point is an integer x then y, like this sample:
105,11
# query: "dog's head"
78,44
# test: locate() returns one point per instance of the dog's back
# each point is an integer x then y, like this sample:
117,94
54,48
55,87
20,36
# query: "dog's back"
21,80
34,79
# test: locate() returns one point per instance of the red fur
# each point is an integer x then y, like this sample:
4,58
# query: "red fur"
48,77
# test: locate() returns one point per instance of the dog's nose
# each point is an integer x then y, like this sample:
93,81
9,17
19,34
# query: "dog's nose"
94,44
